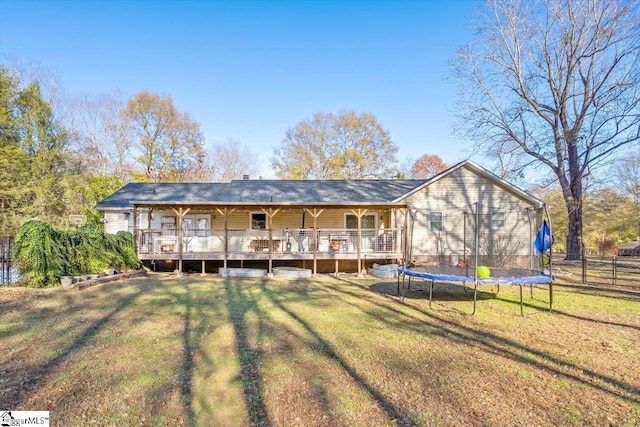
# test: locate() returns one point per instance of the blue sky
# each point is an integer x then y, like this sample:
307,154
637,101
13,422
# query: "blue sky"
248,70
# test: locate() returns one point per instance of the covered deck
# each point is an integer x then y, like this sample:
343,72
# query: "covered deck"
273,242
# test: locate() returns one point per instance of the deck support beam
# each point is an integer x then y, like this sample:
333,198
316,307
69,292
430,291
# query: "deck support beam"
270,214
359,213
180,213
225,212
315,214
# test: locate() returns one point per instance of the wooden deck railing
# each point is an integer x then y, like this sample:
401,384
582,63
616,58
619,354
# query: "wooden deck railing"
283,241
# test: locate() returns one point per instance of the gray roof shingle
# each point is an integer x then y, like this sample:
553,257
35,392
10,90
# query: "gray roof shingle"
262,192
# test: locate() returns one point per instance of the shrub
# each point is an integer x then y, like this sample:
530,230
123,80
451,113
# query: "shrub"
37,254
43,254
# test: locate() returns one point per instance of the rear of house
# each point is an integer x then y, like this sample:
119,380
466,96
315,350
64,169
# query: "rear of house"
326,225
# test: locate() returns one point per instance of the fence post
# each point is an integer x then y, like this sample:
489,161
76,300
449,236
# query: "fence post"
1,261
584,269
615,271
5,260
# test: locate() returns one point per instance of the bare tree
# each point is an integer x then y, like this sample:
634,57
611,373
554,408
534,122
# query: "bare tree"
553,85
102,135
232,160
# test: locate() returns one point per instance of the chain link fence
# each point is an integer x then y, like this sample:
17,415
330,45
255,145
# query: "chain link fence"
8,274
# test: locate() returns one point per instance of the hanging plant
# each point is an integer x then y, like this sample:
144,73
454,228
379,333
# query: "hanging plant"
43,255
37,254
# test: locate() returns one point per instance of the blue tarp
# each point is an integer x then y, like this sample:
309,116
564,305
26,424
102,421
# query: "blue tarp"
544,240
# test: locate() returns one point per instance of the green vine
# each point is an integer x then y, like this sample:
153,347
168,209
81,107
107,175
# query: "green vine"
43,254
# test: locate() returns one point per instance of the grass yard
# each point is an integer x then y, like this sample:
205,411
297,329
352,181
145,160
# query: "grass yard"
238,352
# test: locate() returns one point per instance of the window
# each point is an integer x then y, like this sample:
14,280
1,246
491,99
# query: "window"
258,221
203,226
498,220
367,222
168,225
435,222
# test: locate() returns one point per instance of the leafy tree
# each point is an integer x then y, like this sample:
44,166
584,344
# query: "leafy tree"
169,142
553,85
32,153
329,146
98,188
606,217
232,160
428,165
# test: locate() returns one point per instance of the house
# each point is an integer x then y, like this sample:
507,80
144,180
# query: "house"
330,224
629,249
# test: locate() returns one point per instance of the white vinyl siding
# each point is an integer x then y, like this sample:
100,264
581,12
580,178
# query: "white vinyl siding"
455,194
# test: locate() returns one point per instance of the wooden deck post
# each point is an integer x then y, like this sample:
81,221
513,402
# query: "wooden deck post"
270,214
315,242
225,246
180,213
359,213
315,214
269,243
226,237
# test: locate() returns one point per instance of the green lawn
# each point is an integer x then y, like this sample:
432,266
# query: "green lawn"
215,352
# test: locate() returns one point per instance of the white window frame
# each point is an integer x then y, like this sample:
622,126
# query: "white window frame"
431,222
503,220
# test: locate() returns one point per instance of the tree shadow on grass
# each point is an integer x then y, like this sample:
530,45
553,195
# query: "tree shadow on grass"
506,347
186,380
600,321
327,349
604,290
36,375
238,307
201,314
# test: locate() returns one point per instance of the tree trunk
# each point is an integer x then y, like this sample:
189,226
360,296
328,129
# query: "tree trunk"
572,190
574,233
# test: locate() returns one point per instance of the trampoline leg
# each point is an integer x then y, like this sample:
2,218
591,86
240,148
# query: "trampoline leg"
430,293
521,306
550,296
475,297
531,289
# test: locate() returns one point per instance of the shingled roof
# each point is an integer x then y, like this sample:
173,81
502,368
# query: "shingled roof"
262,192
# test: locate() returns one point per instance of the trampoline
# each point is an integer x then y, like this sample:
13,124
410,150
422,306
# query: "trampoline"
499,277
